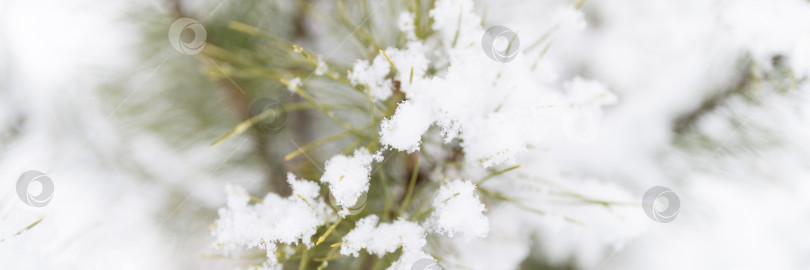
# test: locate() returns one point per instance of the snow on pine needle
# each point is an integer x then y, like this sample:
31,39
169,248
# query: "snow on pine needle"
496,112
274,220
383,238
458,210
348,177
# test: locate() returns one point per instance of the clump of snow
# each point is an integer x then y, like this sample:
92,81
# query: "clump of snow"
373,75
410,63
322,68
497,110
404,130
387,238
405,23
348,177
458,210
274,220
293,84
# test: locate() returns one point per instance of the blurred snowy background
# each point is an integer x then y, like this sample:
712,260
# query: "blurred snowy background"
712,103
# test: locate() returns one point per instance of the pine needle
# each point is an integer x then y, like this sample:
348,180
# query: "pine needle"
304,199
492,175
314,144
26,228
387,211
458,28
411,185
484,15
579,4
304,260
421,214
525,207
542,53
328,232
245,28
328,258
411,80
393,67
320,107
448,199
245,125
254,199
